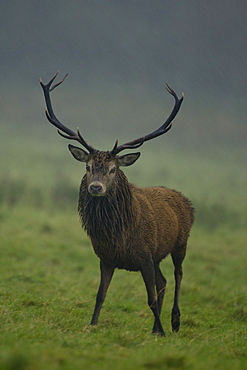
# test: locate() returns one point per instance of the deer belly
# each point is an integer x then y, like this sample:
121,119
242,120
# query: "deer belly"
121,257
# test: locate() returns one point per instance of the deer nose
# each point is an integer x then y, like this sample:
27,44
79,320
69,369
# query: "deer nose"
95,189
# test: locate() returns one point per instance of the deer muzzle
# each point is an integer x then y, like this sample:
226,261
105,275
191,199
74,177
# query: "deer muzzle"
96,188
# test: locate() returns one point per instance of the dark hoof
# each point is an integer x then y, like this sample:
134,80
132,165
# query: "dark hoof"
93,323
175,320
175,324
160,333
175,329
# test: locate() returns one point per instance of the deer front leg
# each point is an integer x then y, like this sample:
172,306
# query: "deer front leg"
105,279
160,282
148,274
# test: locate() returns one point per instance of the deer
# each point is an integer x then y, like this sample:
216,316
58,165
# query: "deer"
130,227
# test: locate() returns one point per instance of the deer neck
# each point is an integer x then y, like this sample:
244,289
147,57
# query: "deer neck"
107,218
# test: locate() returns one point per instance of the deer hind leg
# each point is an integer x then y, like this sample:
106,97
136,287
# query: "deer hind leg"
160,282
106,276
148,274
178,274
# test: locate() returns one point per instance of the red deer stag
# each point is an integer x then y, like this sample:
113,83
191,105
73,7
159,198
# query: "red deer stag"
130,227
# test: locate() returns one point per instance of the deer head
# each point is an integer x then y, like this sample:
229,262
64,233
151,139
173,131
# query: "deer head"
102,166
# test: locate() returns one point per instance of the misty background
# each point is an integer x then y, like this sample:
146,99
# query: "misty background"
119,55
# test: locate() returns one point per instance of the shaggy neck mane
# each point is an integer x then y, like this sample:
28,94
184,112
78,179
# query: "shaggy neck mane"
107,218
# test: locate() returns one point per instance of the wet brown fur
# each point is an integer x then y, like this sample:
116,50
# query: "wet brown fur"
131,224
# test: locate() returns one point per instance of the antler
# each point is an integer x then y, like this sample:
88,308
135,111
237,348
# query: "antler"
160,131
116,149
53,119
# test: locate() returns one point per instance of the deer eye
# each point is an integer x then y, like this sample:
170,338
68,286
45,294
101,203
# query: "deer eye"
87,168
113,170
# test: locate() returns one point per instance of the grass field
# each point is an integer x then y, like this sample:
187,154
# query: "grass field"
49,273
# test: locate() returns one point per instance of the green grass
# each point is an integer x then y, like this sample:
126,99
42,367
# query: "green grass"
49,278
50,275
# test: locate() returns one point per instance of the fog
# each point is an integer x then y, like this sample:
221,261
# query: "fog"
119,55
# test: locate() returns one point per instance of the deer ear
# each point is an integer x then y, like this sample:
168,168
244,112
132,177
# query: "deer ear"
128,159
78,153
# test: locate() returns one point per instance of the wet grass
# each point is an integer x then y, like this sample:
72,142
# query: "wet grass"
49,278
49,273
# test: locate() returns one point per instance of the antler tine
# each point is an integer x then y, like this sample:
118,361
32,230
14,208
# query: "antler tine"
53,119
160,131
89,147
115,146
59,83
